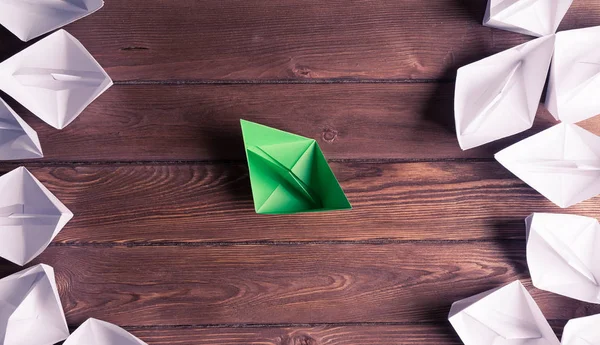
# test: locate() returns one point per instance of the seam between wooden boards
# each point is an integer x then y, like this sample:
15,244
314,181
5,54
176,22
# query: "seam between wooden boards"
276,243
240,161
175,82
553,322
146,243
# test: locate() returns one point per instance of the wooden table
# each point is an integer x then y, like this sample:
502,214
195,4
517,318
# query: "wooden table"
165,241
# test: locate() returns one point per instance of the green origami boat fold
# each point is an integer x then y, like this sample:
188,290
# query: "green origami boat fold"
289,173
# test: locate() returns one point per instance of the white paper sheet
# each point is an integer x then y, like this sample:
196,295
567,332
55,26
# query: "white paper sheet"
30,308
30,216
55,78
562,163
503,316
17,139
562,255
499,96
28,19
575,76
529,17
96,332
582,331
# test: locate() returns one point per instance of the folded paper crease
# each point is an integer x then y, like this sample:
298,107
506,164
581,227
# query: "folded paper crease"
561,255
574,81
530,17
499,96
97,332
288,173
17,139
30,308
56,78
28,19
30,216
562,163
506,315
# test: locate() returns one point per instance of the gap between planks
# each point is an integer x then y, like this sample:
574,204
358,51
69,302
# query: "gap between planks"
210,162
375,242
299,325
177,82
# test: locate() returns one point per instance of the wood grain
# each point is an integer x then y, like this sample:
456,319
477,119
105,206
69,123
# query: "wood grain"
293,39
405,334
212,203
201,122
286,284
322,335
165,241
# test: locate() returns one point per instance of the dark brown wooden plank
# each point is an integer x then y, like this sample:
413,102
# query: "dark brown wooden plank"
329,335
212,203
183,285
418,334
350,121
293,39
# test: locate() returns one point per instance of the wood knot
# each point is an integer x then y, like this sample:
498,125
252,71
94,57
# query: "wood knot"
301,339
301,71
418,66
134,48
329,135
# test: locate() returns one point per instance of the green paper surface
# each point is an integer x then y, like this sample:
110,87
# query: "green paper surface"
289,173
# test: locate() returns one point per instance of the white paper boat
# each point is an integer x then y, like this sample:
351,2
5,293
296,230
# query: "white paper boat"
30,308
575,76
28,19
503,316
529,17
562,163
30,216
55,78
17,139
582,331
499,96
562,255
96,332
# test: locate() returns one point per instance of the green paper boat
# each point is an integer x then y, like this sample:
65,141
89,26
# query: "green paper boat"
289,173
